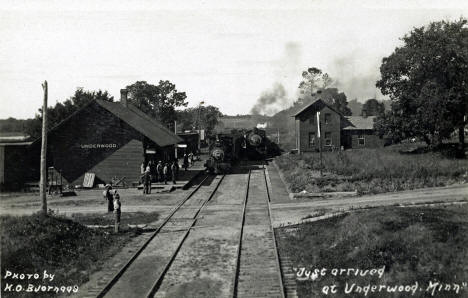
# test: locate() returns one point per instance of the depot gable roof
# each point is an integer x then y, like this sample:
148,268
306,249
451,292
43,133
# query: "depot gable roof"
141,122
149,127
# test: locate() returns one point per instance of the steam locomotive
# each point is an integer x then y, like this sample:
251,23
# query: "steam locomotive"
227,149
254,144
223,153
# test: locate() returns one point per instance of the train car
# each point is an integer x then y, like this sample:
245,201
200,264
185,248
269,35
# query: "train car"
223,152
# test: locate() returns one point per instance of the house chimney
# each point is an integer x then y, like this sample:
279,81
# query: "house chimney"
123,97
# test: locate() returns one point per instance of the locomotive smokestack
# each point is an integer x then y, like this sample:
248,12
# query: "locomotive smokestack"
123,97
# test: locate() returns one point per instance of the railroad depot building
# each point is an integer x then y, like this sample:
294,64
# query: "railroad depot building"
337,131
107,139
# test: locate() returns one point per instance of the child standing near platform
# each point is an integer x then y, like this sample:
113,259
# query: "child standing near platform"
117,212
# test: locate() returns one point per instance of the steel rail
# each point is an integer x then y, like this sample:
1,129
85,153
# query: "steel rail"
157,284
122,270
239,246
278,264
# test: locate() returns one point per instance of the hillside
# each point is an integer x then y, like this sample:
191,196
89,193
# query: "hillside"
227,123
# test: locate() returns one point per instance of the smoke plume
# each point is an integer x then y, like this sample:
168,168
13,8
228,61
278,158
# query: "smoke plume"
287,73
354,80
271,101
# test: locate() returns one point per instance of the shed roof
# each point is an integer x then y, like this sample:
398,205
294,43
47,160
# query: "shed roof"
15,144
13,137
359,122
143,123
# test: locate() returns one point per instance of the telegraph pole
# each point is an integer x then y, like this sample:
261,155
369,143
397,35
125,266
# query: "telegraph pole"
199,124
175,132
43,180
320,143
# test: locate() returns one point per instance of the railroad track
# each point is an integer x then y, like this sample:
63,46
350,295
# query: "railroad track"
286,265
258,270
289,276
142,275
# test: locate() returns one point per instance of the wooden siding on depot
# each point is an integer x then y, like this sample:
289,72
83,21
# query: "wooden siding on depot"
124,162
86,140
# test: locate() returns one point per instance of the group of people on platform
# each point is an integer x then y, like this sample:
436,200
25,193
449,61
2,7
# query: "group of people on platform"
163,171
160,172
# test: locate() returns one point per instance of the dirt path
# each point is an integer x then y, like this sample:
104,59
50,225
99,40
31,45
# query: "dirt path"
284,213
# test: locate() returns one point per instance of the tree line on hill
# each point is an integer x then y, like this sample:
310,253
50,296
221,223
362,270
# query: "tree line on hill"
158,101
55,114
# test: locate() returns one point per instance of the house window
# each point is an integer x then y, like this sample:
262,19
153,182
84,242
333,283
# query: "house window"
328,140
312,120
327,118
311,139
361,140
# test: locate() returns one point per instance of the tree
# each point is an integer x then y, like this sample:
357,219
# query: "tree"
61,111
355,106
336,99
427,80
390,127
313,80
157,101
209,117
373,107
315,84
206,117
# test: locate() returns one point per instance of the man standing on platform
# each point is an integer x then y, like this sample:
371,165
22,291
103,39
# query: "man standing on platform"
166,172
108,196
185,162
174,171
159,170
190,158
147,181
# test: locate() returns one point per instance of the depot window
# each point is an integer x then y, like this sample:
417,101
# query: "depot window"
327,118
328,140
311,139
361,140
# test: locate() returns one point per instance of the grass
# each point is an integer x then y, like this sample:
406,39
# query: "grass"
414,244
371,171
127,218
71,251
317,213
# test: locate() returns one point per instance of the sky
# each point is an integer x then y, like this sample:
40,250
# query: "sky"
225,53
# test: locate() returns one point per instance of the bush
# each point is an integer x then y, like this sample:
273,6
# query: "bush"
371,170
32,244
